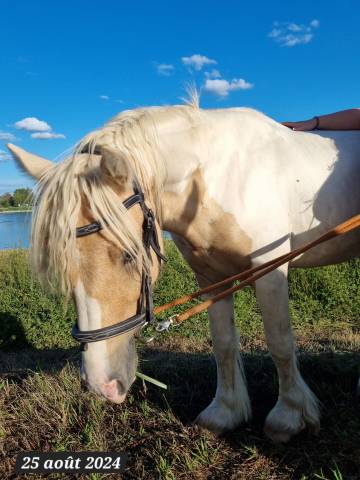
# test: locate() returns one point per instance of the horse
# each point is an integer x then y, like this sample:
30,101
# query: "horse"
235,189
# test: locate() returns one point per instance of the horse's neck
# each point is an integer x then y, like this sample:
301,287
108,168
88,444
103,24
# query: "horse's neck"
197,153
184,156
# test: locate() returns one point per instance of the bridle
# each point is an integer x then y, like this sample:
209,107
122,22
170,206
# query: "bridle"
144,313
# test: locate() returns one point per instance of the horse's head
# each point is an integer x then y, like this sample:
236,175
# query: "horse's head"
104,271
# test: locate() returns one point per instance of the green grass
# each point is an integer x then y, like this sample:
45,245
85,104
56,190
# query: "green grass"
15,209
43,407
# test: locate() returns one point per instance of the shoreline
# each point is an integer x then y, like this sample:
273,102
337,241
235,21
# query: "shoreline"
15,211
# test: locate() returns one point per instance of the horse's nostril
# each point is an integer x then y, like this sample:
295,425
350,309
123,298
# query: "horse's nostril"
113,391
120,387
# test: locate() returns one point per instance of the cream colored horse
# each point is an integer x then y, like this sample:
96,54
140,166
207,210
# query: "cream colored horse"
235,189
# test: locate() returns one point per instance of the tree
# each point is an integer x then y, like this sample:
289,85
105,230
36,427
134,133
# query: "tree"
7,200
22,196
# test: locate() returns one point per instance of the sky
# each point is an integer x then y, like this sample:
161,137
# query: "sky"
67,67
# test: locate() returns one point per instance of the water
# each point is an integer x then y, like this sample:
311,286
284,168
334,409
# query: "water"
15,230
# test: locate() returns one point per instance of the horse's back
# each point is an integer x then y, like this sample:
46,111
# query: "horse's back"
278,183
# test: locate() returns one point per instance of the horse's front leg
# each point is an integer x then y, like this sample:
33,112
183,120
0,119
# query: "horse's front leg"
231,405
296,406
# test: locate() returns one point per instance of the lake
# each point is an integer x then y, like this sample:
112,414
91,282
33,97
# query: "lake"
15,230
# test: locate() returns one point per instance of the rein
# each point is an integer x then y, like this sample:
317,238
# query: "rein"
250,275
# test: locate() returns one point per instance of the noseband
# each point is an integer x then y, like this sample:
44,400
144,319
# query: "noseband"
144,313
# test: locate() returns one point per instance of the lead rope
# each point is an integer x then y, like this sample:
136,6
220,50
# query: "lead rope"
248,276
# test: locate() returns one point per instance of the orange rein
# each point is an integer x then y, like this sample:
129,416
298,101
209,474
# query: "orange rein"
252,274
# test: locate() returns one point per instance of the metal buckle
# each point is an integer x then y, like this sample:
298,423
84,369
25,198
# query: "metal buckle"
141,337
165,324
150,219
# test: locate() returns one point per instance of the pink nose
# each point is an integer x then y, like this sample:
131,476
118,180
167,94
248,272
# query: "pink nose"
111,391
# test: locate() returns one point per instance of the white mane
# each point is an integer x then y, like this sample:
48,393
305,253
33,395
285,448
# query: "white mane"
60,194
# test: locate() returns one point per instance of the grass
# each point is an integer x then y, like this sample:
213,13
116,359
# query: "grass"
43,407
15,209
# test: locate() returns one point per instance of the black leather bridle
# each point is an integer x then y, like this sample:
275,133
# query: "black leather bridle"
144,313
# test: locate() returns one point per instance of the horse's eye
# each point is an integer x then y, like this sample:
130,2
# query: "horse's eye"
127,258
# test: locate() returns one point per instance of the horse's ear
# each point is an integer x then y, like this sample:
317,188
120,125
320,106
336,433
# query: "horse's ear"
33,165
114,166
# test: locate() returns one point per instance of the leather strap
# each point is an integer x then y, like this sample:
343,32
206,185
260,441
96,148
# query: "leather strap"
145,308
89,336
88,229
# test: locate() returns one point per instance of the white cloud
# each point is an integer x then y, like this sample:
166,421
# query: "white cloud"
213,74
40,128
293,27
32,124
292,40
289,34
104,97
47,135
222,87
7,137
275,32
165,69
315,23
197,61
4,156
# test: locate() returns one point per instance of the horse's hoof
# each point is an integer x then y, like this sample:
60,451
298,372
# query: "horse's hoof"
283,423
218,419
277,436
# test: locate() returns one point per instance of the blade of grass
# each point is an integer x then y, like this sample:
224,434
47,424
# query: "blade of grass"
151,380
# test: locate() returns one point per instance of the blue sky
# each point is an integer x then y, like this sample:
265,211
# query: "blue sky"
67,67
